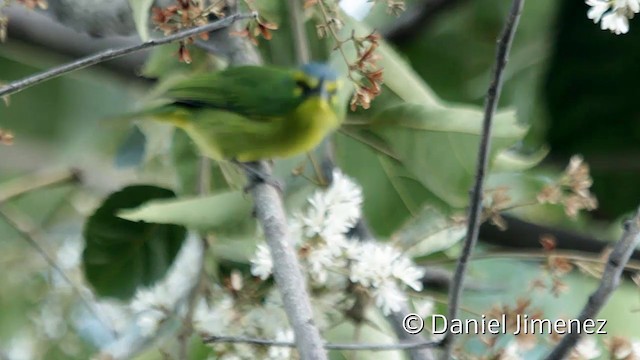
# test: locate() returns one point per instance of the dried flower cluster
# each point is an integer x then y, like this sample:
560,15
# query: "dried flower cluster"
556,267
522,307
365,75
186,14
259,27
572,189
395,7
498,201
6,137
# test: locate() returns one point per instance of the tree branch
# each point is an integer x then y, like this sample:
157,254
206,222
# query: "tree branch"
475,211
14,188
286,268
37,30
109,54
329,346
610,280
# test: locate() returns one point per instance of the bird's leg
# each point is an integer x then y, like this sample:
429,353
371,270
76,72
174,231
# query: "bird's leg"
255,177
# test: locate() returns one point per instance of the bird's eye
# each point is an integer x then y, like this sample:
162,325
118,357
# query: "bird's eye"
302,85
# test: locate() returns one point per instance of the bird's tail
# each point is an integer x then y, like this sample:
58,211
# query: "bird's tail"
168,113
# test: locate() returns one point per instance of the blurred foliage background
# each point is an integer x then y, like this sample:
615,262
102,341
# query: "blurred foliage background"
569,83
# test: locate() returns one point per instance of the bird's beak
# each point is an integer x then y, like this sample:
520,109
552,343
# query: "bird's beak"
322,89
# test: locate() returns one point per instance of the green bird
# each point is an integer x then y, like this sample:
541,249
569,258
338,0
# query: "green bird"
251,113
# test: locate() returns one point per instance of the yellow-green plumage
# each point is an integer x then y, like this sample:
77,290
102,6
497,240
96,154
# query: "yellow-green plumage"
251,113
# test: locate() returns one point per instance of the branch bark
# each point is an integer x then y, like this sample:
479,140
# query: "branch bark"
286,270
610,280
475,211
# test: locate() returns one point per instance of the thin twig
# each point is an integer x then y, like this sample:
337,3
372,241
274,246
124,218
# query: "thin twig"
610,280
329,346
540,255
475,211
109,54
27,231
32,182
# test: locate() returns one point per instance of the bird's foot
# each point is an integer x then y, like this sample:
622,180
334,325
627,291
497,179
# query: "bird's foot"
256,177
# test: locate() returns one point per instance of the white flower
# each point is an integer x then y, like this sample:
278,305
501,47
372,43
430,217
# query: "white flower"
262,263
280,352
632,6
149,321
627,351
388,297
214,319
613,15
587,348
616,22
21,347
319,260
598,8
511,352
424,307
332,211
372,263
70,253
404,270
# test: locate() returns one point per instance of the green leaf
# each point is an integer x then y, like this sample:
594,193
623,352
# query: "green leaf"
439,146
385,183
121,255
140,9
202,213
429,232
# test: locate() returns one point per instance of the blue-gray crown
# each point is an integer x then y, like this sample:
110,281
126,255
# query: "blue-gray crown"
320,71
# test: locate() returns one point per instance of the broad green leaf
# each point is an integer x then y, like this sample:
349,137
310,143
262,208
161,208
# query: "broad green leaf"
202,213
121,255
391,195
429,232
140,9
439,146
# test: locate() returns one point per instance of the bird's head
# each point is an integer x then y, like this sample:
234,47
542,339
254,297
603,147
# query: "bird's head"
317,79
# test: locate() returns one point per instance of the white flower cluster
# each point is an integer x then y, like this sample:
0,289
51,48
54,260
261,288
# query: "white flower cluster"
237,317
332,260
154,305
613,15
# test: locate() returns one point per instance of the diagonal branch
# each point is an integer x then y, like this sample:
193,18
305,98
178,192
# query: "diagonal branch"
475,211
109,54
287,272
610,280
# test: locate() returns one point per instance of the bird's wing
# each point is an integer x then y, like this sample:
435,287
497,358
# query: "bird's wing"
252,91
